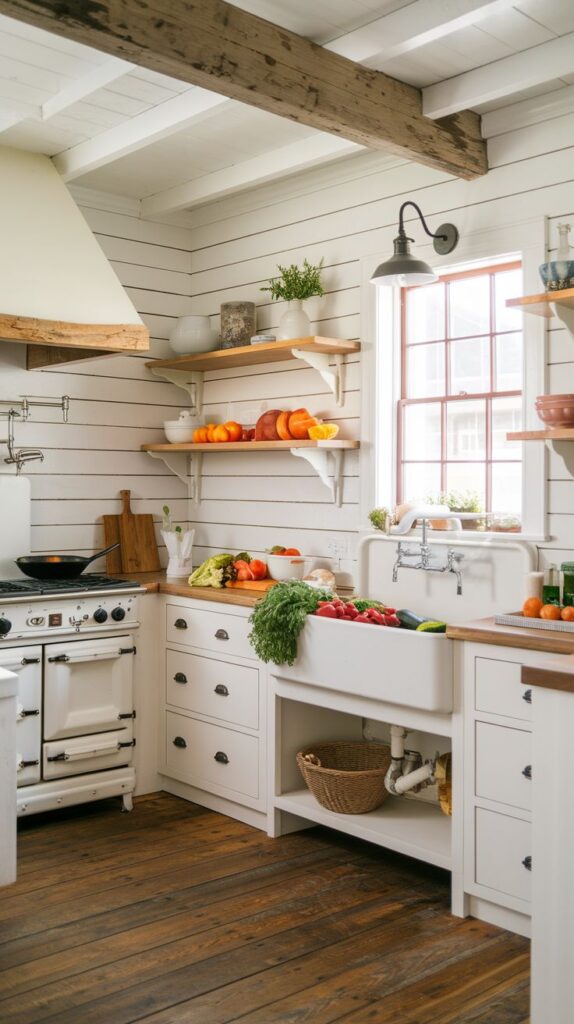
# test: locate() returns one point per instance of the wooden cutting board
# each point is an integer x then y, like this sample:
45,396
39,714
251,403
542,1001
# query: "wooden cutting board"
136,535
112,536
261,585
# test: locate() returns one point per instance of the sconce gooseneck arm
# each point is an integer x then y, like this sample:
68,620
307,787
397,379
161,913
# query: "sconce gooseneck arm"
402,232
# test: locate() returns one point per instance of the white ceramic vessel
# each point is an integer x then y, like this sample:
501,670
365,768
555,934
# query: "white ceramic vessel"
286,567
193,334
181,430
294,323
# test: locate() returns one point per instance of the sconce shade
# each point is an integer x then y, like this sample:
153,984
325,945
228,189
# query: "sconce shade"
402,268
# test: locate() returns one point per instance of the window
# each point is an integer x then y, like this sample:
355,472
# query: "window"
461,389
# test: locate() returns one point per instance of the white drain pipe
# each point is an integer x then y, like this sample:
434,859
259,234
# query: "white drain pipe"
397,781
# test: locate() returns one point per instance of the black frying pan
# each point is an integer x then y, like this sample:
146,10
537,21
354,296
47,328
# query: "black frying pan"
57,567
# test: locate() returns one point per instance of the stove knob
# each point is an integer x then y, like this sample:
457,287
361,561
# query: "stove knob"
100,615
5,626
118,614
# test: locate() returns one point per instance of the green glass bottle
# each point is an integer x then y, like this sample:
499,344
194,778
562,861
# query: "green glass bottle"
551,586
567,583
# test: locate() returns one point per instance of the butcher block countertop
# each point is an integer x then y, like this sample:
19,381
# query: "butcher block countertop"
157,582
486,631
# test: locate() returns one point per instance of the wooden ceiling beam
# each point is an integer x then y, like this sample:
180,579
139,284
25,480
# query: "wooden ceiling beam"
219,47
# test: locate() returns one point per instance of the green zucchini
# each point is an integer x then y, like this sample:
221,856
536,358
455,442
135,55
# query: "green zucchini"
431,626
409,620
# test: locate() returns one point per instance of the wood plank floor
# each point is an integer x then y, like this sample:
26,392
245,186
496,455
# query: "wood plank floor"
176,915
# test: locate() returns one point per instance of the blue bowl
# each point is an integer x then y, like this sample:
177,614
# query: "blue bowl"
557,274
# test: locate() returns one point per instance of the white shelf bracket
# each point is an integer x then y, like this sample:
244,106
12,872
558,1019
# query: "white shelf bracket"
192,382
187,470
322,363
566,315
319,460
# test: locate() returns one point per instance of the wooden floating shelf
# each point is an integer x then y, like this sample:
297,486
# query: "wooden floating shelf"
250,446
541,305
558,434
251,355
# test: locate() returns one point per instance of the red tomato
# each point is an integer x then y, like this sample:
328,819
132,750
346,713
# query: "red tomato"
258,569
291,551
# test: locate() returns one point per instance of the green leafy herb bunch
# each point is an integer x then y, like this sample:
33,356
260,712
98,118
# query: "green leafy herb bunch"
296,282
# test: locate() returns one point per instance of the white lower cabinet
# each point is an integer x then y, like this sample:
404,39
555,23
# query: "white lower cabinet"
213,723
497,743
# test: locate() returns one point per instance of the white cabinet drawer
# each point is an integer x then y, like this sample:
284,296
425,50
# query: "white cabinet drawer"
214,688
502,844
87,753
213,631
503,756
498,689
207,754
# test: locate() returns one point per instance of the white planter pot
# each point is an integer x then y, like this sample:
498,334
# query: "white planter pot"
179,548
294,323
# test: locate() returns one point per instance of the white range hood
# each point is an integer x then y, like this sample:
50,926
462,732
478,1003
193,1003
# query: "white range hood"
56,286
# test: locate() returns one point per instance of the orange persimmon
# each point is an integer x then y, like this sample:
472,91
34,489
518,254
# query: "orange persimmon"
567,614
299,422
531,607
235,430
200,435
550,611
282,426
210,428
221,434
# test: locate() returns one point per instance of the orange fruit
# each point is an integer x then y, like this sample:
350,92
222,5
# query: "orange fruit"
220,434
210,428
282,426
531,607
550,611
567,613
235,430
323,432
200,435
299,423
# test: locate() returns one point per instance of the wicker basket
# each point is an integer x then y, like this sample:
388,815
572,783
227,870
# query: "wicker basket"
346,777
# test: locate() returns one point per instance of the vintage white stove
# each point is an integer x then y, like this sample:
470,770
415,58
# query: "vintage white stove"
72,645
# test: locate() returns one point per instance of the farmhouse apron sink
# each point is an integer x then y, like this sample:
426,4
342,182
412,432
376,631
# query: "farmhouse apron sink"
399,666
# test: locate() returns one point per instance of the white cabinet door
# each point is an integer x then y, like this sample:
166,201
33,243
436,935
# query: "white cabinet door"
212,631
87,686
498,689
504,765
214,688
503,849
208,755
88,753
26,664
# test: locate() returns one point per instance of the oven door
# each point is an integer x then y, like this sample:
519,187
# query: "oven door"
88,753
88,686
26,663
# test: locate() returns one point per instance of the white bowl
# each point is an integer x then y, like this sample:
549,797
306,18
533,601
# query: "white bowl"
286,567
178,431
193,334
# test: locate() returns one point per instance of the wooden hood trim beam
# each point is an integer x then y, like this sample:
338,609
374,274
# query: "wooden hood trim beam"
210,43
57,341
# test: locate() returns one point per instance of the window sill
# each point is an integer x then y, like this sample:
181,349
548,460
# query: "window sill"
474,536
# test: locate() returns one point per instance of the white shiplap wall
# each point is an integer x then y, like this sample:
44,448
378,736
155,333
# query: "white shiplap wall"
347,213
116,403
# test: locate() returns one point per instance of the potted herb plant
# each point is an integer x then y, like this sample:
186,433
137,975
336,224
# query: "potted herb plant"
293,286
460,501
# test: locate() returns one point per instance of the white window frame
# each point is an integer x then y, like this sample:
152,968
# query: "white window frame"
380,313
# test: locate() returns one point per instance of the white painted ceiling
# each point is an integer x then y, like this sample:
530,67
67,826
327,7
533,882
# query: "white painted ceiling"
36,67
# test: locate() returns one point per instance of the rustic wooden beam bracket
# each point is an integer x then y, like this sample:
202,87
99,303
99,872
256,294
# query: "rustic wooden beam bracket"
322,363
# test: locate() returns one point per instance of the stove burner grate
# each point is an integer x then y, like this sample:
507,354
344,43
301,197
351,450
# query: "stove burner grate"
82,584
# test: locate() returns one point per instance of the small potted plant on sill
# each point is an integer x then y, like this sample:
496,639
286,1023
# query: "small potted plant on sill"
293,286
458,501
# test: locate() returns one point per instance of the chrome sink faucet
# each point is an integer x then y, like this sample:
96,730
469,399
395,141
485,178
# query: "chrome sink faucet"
422,552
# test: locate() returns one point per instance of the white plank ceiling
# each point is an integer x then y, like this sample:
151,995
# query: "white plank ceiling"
129,131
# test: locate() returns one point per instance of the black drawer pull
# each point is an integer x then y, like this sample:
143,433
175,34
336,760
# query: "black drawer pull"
221,757
27,714
179,742
527,771
222,690
29,764
180,624
179,677
527,863
527,696
221,634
